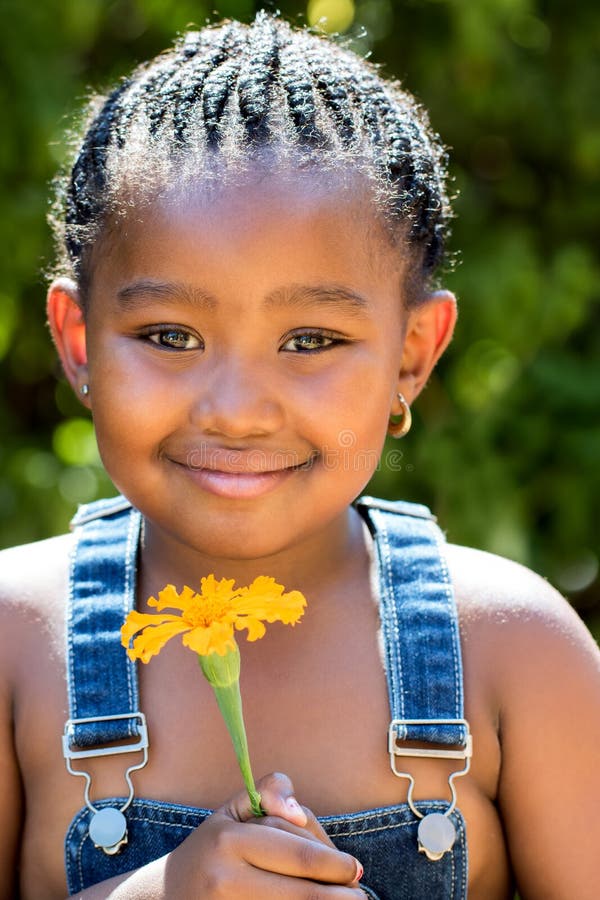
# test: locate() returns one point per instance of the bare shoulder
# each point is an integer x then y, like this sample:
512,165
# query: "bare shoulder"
498,595
523,643
26,569
33,587
529,659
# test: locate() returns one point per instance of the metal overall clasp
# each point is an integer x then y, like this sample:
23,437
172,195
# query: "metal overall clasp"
108,826
436,833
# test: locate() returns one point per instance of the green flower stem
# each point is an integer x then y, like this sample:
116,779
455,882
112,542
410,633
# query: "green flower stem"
223,674
230,704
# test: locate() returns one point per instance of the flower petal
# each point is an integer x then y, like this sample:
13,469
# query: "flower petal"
135,621
207,619
169,598
254,626
222,589
216,638
291,608
265,599
153,638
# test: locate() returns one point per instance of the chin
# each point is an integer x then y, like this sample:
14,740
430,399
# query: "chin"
233,542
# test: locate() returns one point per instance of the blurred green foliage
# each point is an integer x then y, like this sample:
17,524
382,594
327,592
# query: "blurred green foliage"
507,439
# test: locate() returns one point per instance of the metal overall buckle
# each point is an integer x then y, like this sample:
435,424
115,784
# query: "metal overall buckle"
108,826
436,833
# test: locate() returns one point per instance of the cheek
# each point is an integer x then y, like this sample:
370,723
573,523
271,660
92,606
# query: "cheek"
121,377
131,408
348,410
366,386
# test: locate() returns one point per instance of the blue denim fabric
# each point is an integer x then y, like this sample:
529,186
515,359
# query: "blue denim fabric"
423,668
101,593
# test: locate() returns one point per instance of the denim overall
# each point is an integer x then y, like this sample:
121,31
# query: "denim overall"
421,649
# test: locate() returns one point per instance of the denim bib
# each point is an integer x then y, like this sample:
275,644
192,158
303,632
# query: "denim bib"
419,635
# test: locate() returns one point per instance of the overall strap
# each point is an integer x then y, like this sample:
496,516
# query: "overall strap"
102,681
418,622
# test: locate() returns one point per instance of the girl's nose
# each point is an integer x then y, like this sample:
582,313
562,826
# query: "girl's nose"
238,401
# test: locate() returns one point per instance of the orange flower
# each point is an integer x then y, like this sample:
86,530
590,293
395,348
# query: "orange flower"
207,620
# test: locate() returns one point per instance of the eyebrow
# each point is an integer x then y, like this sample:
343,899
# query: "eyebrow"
297,296
318,295
139,292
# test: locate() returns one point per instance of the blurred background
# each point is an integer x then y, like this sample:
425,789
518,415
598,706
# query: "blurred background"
506,442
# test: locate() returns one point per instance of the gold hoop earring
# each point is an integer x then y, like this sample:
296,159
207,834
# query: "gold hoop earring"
400,425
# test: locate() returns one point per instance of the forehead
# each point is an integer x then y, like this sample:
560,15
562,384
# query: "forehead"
285,225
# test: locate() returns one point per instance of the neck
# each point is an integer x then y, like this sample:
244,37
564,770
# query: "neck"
310,565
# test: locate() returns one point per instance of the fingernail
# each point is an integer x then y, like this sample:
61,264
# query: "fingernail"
295,808
359,870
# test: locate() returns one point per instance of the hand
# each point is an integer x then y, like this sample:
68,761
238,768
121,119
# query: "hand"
284,854
282,810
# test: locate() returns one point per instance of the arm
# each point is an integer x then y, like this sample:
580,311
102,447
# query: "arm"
549,793
10,784
32,585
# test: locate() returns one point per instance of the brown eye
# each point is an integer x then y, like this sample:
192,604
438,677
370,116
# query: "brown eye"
175,339
310,342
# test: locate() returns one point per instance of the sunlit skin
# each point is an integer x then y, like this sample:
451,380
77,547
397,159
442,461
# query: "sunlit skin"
243,359
290,318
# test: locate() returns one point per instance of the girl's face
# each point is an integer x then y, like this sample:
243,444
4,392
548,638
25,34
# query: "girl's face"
243,358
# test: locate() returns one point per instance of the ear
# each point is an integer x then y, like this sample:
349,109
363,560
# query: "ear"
67,325
429,330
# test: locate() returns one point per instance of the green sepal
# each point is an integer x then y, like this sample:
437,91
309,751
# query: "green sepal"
221,671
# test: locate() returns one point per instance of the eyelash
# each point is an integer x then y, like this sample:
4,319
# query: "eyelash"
333,340
158,335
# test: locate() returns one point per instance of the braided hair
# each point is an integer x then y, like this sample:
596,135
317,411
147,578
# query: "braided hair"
231,94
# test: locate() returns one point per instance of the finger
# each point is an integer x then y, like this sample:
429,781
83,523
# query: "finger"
312,830
299,857
268,886
277,799
314,826
278,886
289,828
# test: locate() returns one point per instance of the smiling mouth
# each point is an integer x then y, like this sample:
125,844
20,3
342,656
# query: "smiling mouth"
276,470
256,461
239,482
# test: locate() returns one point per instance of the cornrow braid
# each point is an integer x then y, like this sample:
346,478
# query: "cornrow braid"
409,157
219,83
411,164
217,93
298,85
257,74
335,99
209,60
224,94
87,180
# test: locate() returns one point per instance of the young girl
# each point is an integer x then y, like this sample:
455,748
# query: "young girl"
250,230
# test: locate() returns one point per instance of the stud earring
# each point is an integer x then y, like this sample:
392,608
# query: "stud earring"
84,390
400,425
